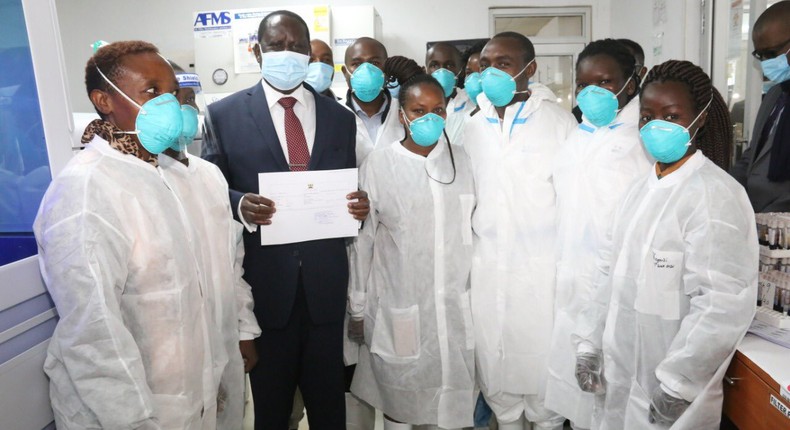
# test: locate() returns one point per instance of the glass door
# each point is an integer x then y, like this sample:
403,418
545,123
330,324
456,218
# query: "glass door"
559,34
557,70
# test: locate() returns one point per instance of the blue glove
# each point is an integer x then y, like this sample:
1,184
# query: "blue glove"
588,373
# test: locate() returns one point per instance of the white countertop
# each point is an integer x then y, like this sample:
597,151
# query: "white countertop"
772,358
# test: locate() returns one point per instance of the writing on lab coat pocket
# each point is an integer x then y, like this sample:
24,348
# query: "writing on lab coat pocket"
467,206
659,287
396,335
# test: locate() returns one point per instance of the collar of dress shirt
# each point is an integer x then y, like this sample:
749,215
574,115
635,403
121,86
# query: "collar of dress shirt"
273,95
358,108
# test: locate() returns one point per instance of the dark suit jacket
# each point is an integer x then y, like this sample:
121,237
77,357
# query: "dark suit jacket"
245,143
752,169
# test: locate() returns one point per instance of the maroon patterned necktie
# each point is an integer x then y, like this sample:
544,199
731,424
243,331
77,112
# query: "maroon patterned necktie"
298,154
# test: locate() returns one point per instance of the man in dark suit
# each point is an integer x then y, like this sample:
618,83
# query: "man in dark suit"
764,168
299,289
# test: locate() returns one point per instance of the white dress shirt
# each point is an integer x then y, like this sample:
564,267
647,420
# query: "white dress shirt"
304,110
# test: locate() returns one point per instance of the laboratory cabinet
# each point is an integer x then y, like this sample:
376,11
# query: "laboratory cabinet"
749,385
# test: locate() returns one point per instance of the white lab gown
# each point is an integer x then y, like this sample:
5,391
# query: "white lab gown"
391,130
458,110
594,169
203,192
676,292
132,347
410,282
514,258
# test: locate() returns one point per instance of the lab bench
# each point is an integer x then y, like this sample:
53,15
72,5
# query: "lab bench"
752,399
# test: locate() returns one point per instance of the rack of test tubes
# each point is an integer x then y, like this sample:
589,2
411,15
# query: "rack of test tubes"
773,300
773,232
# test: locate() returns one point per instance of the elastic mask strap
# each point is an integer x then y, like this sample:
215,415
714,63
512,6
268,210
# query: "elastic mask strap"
408,123
525,68
621,90
518,74
119,90
624,86
705,109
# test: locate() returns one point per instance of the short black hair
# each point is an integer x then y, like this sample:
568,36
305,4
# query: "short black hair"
778,12
523,41
472,50
375,42
453,49
614,50
265,23
636,50
108,58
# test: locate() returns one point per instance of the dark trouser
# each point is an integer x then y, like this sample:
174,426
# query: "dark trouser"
303,354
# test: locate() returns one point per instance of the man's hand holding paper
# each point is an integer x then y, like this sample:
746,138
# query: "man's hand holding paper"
310,205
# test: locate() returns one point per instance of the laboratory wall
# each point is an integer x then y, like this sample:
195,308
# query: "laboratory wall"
672,33
407,25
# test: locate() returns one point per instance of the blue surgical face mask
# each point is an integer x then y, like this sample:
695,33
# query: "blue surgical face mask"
777,69
158,124
599,105
367,81
319,76
473,86
189,116
499,86
666,141
284,70
394,91
425,130
446,79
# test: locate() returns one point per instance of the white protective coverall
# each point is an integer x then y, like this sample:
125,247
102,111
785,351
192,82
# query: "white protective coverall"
595,168
410,282
203,192
457,114
513,268
132,348
676,292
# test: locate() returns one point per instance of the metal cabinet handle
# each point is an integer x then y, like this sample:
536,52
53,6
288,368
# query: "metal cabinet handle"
731,381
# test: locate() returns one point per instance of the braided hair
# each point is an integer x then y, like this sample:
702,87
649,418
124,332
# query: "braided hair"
398,70
715,137
407,73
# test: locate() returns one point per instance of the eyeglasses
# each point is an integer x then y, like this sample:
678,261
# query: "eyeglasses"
766,54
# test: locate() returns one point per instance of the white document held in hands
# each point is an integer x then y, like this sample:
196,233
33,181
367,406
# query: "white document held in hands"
310,205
